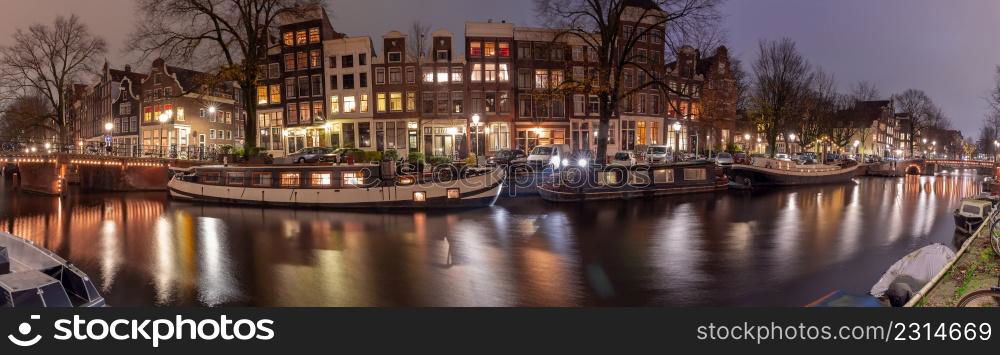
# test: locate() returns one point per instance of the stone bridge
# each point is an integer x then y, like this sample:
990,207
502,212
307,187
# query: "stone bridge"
934,166
51,173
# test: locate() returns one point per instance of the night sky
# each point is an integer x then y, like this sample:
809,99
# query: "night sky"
947,48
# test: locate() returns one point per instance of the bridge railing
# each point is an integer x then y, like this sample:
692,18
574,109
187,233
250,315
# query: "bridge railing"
196,152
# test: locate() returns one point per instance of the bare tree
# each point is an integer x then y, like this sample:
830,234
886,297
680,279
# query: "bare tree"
419,34
865,91
920,109
819,110
45,61
231,36
782,79
599,25
703,36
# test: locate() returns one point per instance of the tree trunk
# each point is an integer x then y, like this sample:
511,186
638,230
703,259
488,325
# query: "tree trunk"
602,130
249,92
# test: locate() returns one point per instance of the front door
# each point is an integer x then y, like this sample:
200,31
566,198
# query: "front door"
182,142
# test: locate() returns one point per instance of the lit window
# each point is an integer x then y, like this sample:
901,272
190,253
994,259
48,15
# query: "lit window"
419,196
275,94
454,194
300,37
262,95
349,104
694,174
475,49
353,178
290,179
491,50
314,35
504,49
380,102
663,176
442,75
321,179
406,180
428,77
289,38
364,103
396,102
504,73
334,104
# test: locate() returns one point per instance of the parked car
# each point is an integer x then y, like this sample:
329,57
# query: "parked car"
782,156
307,155
658,154
741,158
624,158
339,155
546,155
724,159
507,157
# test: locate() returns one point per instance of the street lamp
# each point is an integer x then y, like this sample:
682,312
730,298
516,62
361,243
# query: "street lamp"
475,136
164,118
677,135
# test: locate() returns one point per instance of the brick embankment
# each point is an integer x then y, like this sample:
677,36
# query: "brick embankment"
976,269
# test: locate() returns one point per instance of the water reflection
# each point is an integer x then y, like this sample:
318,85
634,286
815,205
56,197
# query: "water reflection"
770,247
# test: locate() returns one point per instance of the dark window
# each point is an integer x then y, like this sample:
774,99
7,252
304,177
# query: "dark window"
347,61
362,59
333,82
364,133
348,81
363,80
333,62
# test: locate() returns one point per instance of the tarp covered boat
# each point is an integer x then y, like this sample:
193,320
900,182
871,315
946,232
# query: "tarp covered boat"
911,273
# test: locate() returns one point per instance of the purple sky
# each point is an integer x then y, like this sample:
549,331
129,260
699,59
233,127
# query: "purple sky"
944,47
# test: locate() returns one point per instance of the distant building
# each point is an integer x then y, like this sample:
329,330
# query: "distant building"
99,106
185,114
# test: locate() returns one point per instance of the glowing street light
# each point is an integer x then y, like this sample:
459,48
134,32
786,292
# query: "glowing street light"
109,126
211,109
677,126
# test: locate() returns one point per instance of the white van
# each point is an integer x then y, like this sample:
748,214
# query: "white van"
548,155
658,154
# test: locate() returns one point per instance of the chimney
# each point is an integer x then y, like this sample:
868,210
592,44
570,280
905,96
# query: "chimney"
128,68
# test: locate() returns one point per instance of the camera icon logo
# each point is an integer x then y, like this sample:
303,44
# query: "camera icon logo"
25,330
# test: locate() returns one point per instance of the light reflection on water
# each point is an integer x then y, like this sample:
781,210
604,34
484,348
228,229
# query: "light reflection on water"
781,247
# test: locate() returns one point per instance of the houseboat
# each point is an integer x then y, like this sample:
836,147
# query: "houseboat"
334,186
31,276
620,182
774,172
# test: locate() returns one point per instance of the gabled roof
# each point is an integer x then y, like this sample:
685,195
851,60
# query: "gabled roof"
643,4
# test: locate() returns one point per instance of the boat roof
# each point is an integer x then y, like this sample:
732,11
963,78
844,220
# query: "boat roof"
980,203
25,280
284,166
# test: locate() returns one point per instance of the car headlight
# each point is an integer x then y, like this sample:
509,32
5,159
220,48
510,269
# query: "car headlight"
554,161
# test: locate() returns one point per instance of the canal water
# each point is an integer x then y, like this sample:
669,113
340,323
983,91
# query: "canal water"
780,247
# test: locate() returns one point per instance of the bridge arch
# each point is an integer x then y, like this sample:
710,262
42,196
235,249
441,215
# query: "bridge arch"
914,169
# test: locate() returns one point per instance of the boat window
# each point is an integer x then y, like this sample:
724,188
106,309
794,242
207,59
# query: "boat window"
663,176
262,179
352,178
405,180
27,298
419,196
608,178
210,178
454,193
694,174
656,150
971,209
290,179
639,178
321,179
236,178
55,296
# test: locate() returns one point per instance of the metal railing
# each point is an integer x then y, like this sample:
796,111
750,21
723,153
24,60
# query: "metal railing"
188,152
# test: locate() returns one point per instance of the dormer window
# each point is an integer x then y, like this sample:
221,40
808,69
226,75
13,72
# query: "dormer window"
395,57
442,55
314,35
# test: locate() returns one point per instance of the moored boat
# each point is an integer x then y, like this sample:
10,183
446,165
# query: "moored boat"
773,172
619,182
31,276
334,186
971,213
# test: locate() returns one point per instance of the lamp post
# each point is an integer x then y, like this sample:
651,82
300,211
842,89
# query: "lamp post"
677,134
108,127
746,142
164,117
475,136
791,139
